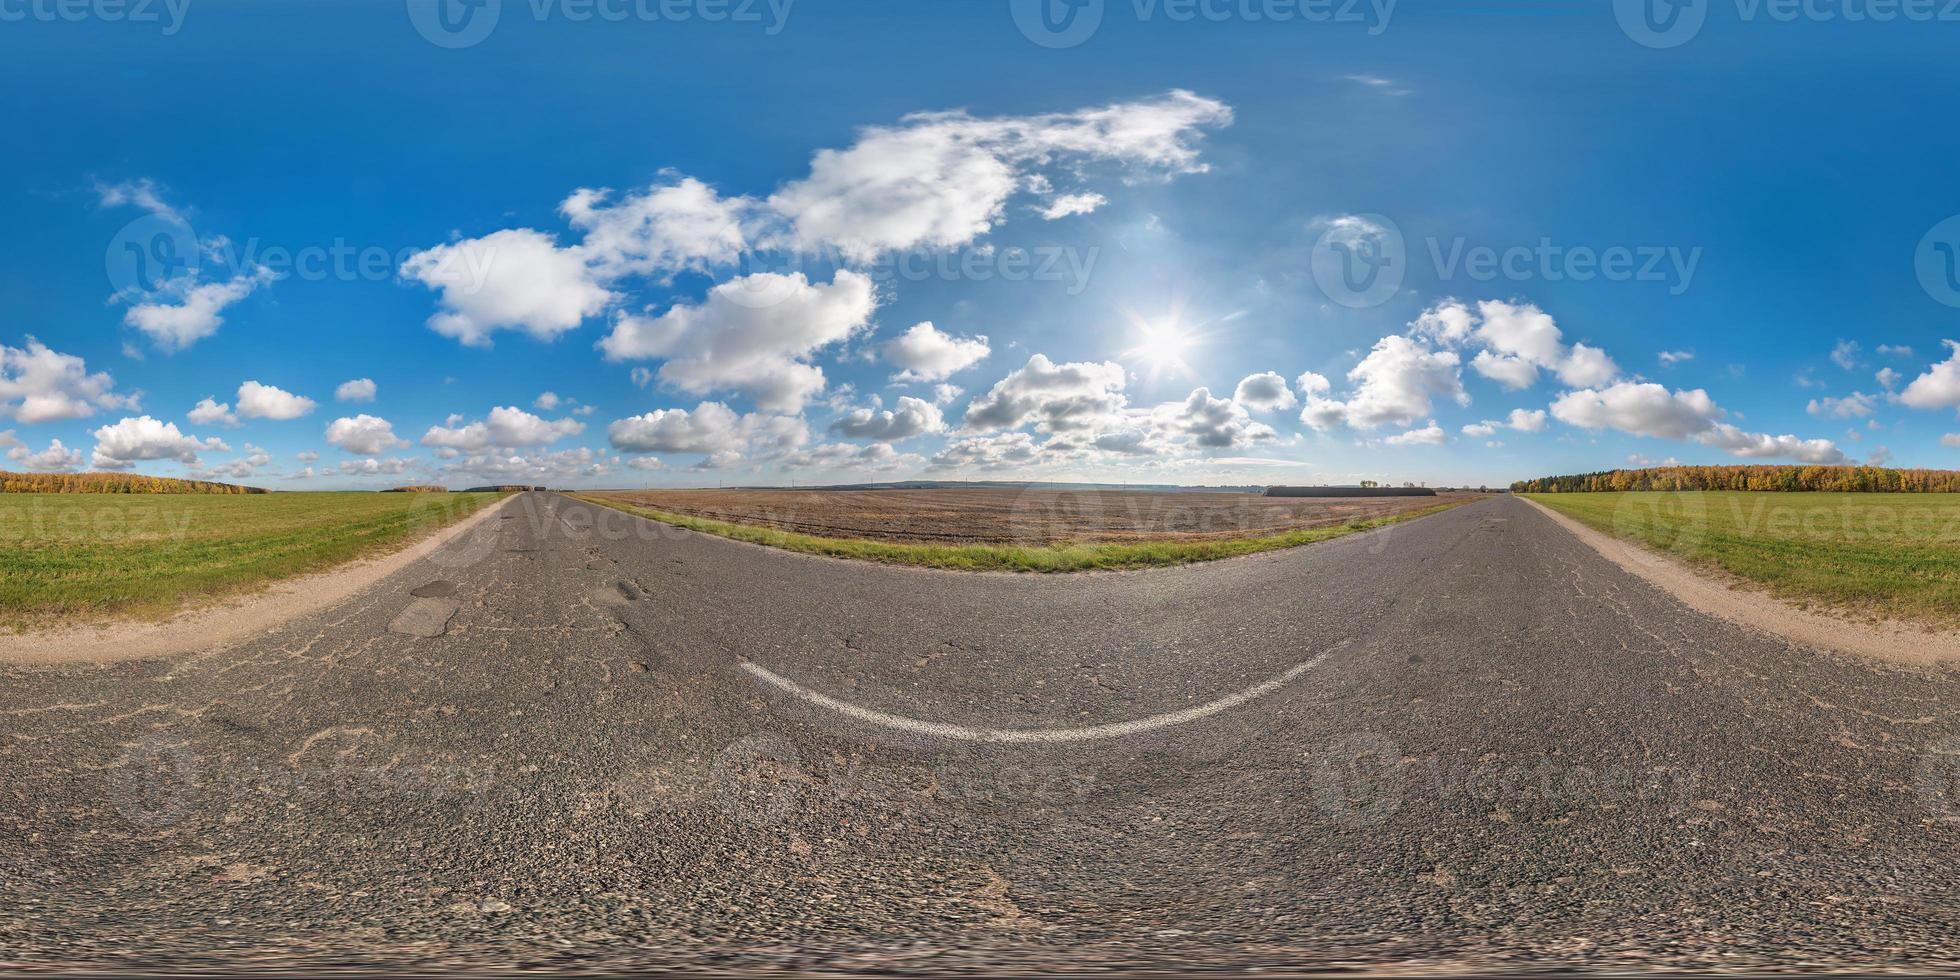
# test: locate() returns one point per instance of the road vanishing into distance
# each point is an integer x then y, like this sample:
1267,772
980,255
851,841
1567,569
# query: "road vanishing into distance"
576,739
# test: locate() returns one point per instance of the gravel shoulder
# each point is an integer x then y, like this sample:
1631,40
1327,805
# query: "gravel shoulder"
231,620
1736,601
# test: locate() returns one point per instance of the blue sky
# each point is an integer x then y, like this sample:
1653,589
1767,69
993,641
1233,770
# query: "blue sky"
715,240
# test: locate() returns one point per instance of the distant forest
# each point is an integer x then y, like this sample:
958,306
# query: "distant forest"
1853,479
110,483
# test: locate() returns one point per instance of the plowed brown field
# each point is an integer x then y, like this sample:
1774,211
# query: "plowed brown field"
1034,516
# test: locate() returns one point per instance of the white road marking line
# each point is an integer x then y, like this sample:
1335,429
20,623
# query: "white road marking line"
1021,735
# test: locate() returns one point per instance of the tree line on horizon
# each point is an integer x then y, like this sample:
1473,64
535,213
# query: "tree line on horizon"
111,483
1841,479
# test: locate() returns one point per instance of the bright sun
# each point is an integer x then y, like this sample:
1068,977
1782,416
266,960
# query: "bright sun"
1162,346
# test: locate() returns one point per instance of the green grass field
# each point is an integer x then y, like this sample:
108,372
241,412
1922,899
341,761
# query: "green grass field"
1013,558
1875,554
66,556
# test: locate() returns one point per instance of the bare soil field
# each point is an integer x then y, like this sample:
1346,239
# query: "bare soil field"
1035,516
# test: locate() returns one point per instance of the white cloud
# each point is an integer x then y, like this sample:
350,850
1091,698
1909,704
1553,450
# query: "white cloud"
1637,459
1395,384
912,417
197,313
1449,324
141,193
1520,419
1430,435
256,458
513,279
363,435
1854,405
1071,204
357,390
506,427
876,457
547,402
210,411
1056,397
1213,423
1951,440
261,401
1756,445
1641,409
377,467
1669,358
712,429
57,458
535,468
1519,340
1895,350
732,342
945,394
684,224
119,446
38,384
925,353
1939,387
1888,379
1647,409
1004,450
1265,392
941,179
309,456
1845,355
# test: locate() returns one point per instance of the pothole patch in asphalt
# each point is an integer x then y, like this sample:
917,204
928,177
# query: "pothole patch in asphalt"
438,589
426,618
599,564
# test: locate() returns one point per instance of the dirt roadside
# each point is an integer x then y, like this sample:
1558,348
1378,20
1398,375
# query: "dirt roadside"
1736,602
212,627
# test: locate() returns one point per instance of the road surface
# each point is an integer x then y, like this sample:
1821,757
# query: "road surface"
592,741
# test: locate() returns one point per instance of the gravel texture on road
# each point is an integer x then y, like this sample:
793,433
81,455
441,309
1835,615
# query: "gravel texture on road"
1463,742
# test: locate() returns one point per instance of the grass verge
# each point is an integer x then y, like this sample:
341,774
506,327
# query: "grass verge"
1014,558
146,555
1882,555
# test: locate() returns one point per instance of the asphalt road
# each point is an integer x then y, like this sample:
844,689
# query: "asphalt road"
593,742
